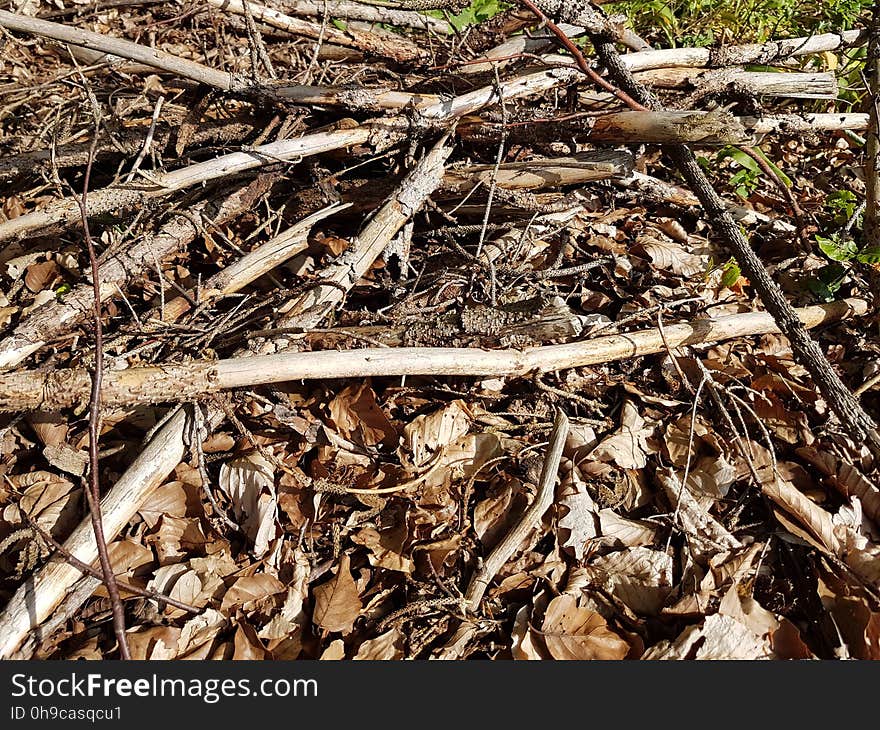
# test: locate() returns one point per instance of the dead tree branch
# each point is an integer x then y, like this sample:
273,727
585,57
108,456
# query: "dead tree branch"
23,391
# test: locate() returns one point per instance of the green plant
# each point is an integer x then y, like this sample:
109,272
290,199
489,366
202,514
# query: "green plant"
730,271
703,22
476,12
839,246
745,181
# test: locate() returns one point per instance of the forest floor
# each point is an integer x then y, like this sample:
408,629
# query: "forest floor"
407,354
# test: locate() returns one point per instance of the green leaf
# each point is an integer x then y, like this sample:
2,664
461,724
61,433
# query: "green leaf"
731,274
739,157
782,176
869,256
339,24
835,249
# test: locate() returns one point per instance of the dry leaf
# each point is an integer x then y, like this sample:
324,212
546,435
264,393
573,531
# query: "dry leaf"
522,645
250,483
627,447
386,547
572,632
640,577
356,415
670,256
247,644
337,602
250,588
169,499
580,519
426,435
335,651
384,647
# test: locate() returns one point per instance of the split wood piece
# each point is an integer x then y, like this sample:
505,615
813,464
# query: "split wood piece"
309,309
714,127
800,124
504,550
377,42
248,268
369,13
793,85
54,390
698,127
709,128
124,49
542,172
771,52
59,317
536,174
65,211
662,191
38,596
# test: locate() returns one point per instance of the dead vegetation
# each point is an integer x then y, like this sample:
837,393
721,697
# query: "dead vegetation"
386,340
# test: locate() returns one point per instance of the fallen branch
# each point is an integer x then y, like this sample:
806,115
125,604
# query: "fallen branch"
64,212
87,569
531,519
24,391
370,13
248,268
754,53
310,308
504,550
376,42
794,85
36,599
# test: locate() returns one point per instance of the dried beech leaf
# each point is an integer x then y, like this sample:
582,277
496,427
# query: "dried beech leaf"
522,645
199,630
335,651
572,632
384,647
169,499
250,588
356,415
250,483
386,547
726,638
639,576
248,646
337,602
627,447
427,434
670,256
